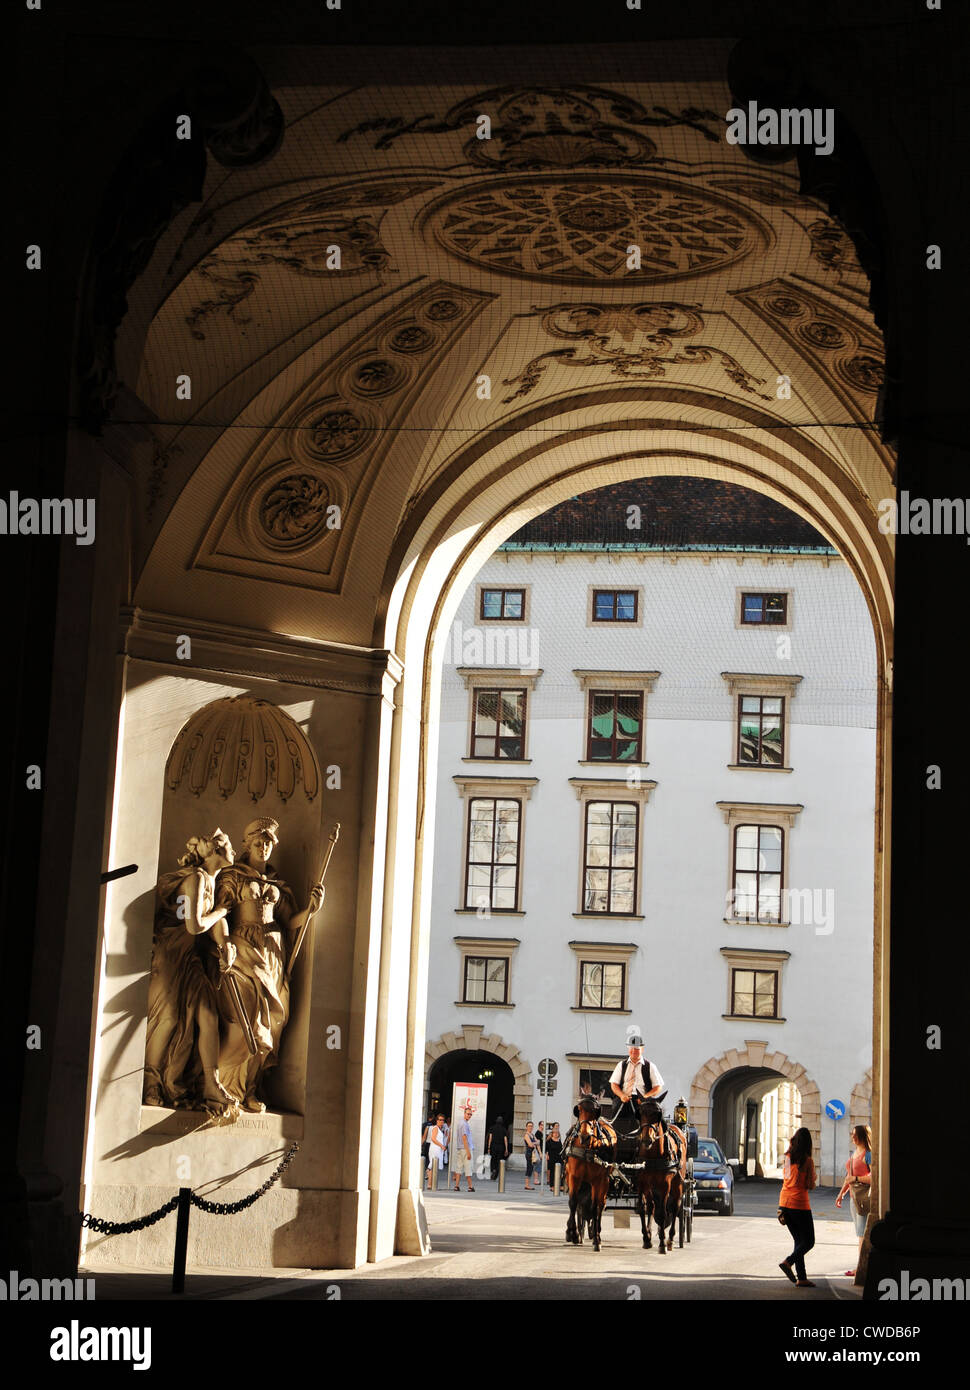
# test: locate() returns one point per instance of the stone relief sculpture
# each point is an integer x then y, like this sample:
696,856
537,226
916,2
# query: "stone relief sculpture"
190,951
227,933
262,911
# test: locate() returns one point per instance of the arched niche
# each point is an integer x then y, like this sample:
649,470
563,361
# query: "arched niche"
236,759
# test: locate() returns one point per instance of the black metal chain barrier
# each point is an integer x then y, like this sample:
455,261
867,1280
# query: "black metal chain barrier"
228,1208
123,1228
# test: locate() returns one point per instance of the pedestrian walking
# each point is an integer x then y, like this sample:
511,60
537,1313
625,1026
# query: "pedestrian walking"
858,1182
436,1146
464,1151
553,1152
795,1209
531,1155
497,1145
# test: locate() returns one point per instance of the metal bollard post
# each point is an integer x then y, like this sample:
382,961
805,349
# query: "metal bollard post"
181,1239
558,1179
434,1176
501,1175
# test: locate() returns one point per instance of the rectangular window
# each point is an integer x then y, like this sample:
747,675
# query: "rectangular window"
764,609
602,985
754,993
499,604
486,980
615,605
761,722
757,872
595,1082
492,864
498,724
610,858
615,727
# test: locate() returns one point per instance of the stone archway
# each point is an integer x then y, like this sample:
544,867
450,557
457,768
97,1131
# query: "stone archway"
473,1038
860,1102
756,1054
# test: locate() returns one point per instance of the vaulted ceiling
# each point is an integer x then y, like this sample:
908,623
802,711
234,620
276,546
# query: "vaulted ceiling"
485,286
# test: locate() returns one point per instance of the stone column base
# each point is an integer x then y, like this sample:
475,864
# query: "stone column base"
905,1250
411,1236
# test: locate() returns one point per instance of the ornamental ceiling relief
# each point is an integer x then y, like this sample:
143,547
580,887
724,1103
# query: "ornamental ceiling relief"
536,222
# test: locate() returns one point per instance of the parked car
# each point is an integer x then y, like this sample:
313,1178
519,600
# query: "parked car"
713,1179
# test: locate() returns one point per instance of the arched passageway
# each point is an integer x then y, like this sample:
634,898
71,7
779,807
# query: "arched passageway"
485,1068
754,1112
359,440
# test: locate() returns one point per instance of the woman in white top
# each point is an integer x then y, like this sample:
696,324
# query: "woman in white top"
437,1141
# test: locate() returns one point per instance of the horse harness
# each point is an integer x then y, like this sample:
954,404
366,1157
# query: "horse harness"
600,1135
668,1140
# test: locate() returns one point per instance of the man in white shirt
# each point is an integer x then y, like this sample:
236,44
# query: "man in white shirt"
464,1151
634,1077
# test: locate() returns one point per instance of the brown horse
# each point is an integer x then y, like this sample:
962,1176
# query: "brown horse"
588,1153
661,1180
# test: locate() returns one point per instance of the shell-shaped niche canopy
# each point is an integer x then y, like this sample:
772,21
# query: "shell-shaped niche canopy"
245,744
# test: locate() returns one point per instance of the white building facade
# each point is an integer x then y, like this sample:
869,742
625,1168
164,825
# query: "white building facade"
655,811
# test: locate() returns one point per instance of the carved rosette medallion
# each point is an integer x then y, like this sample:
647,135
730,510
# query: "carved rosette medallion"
289,509
294,509
821,333
334,431
441,310
374,376
864,371
411,337
848,353
578,230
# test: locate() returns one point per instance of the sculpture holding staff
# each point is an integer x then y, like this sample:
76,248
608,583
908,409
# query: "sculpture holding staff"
264,927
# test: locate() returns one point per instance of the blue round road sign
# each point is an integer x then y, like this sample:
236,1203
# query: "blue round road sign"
835,1109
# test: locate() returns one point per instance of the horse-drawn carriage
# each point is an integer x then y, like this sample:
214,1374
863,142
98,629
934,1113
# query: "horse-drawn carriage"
637,1162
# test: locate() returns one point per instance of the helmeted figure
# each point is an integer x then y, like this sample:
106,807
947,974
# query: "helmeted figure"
262,915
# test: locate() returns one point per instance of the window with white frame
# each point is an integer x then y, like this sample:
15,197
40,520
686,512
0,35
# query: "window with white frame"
610,844
754,983
485,977
758,860
603,975
492,857
761,720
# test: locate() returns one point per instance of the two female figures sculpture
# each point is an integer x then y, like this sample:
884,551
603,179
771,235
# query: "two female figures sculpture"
219,996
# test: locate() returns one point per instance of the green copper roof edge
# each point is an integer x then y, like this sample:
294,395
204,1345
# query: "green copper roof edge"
685,546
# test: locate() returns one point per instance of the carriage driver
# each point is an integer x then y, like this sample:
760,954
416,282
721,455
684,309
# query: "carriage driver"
634,1077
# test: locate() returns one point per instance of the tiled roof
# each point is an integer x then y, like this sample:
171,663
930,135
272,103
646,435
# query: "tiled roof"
673,512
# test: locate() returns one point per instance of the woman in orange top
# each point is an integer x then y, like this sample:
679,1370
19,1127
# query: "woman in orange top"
795,1209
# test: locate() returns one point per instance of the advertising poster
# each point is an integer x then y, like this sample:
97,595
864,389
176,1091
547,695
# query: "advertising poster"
475,1095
